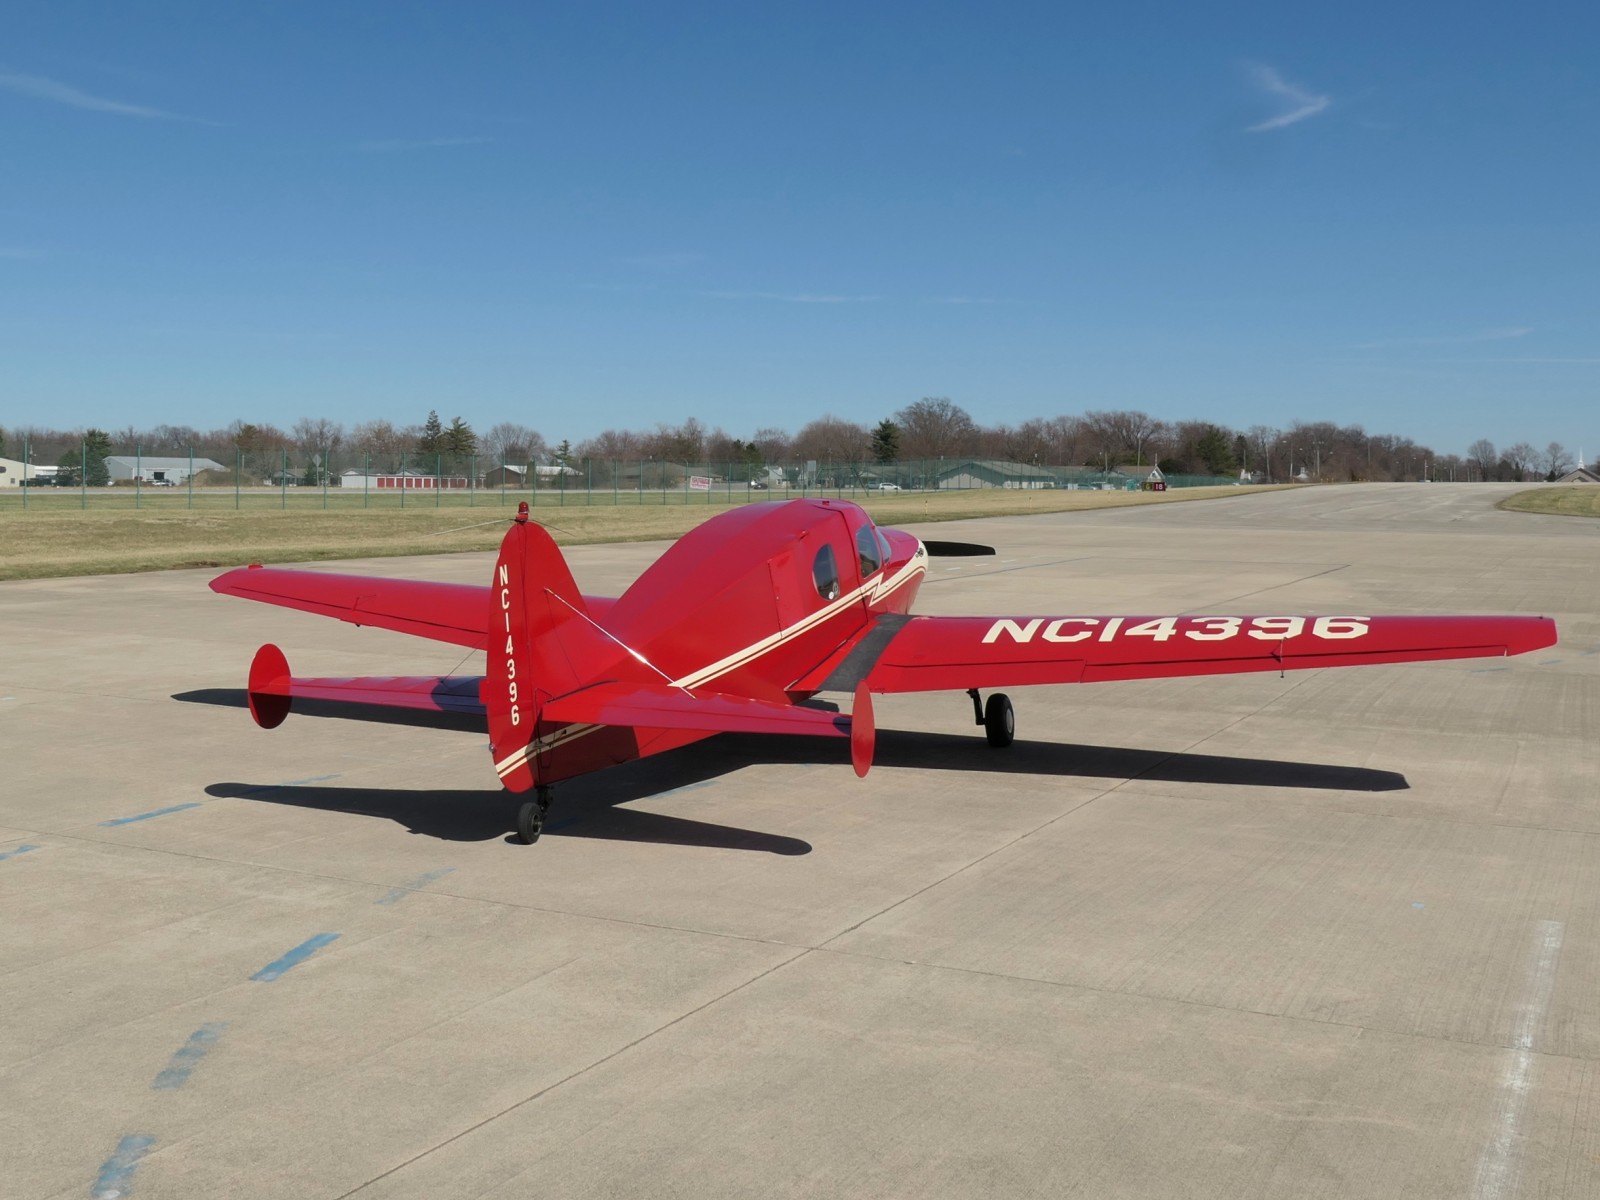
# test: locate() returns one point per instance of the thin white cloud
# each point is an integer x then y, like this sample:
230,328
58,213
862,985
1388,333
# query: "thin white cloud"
1275,85
39,88
21,253
394,145
1504,334
963,300
791,297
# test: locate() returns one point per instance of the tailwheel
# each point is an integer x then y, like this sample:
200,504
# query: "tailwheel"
999,720
530,817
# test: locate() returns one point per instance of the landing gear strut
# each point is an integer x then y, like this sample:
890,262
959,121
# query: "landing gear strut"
530,817
997,717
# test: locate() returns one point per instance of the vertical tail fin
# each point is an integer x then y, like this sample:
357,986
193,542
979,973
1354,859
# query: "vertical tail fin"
539,633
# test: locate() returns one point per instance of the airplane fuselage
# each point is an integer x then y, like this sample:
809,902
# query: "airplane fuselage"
748,603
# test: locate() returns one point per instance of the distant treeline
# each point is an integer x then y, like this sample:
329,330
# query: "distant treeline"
932,428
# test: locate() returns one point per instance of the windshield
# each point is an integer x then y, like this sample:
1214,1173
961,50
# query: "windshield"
868,550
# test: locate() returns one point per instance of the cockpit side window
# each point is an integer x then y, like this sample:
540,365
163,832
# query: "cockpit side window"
825,570
867,549
884,549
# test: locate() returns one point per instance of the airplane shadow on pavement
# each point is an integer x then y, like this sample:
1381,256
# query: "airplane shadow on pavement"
590,807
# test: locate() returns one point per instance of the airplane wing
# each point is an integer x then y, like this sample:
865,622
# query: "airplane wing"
444,612
938,653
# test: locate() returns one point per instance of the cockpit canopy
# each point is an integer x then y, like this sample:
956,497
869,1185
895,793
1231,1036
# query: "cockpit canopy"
872,548
872,552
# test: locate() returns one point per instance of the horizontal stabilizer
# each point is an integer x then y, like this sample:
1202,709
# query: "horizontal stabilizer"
272,690
660,706
444,612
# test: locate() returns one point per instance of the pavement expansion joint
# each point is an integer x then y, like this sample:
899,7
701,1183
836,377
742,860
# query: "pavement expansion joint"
490,901
578,1074
1155,998
1276,586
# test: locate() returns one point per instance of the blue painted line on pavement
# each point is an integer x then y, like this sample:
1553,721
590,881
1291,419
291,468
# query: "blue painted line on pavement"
294,958
1548,662
412,885
159,812
19,850
1417,904
311,779
116,1173
1487,670
188,1056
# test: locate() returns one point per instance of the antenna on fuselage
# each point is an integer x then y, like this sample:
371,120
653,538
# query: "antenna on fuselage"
604,632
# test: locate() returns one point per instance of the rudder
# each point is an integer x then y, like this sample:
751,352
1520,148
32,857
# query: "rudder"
539,633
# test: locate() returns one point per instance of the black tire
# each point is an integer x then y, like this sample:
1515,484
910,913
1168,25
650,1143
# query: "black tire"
999,720
530,823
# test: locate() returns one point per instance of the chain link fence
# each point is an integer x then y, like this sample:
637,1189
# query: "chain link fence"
107,476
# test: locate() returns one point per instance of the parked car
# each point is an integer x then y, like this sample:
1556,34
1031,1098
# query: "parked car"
888,487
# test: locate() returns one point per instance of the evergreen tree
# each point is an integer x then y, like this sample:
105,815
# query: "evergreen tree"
886,441
457,442
1212,449
432,439
87,462
563,452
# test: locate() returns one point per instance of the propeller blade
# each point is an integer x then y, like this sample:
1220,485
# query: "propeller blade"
955,549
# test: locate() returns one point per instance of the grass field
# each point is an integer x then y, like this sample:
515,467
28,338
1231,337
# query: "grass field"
52,540
1575,500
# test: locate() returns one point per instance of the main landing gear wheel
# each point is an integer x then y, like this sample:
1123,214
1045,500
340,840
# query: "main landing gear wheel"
999,720
530,817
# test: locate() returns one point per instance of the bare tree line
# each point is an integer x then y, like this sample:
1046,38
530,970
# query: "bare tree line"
929,429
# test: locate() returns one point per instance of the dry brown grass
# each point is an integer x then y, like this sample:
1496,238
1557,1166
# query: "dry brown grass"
1572,500
52,540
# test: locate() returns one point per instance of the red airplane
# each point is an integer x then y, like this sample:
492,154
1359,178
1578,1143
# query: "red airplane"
749,616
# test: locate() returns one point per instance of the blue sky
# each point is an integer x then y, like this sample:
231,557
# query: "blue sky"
581,217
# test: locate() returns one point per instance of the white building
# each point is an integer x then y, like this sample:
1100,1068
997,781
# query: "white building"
1580,473
12,472
155,469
